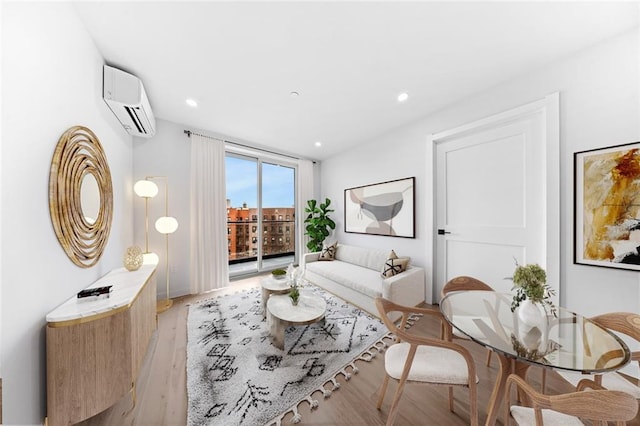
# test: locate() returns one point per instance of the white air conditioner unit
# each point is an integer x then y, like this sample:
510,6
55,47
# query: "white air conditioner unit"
125,95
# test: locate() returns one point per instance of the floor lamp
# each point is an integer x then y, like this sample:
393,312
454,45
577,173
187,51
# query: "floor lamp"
146,189
166,225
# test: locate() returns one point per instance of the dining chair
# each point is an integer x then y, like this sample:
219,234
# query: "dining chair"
424,359
597,405
463,283
621,322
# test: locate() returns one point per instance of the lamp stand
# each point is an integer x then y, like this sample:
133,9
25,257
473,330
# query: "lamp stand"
146,225
164,305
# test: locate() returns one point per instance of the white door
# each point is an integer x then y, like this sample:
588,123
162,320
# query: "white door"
491,199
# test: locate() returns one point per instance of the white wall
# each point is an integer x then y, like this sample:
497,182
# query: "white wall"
599,106
51,80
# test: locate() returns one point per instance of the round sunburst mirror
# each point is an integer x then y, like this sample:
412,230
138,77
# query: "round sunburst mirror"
81,196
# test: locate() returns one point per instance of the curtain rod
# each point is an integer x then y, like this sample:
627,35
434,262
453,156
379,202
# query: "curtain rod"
189,133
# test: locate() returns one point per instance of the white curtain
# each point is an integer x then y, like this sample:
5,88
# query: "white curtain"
305,192
209,251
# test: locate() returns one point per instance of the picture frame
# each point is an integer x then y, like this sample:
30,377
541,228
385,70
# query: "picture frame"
607,207
386,208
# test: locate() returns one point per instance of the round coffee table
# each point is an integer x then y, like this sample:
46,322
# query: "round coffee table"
271,286
282,314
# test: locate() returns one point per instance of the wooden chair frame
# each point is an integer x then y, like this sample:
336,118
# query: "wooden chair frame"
384,308
598,405
463,283
626,323
622,322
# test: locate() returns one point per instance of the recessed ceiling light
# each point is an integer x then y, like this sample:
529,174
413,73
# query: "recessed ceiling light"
192,103
403,97
294,94
318,144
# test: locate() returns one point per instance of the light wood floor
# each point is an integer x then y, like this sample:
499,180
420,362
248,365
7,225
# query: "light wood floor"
161,397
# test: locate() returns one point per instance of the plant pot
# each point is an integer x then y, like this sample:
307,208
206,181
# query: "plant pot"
294,302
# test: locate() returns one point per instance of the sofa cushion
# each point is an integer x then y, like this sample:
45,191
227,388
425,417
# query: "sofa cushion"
394,265
328,251
361,256
361,279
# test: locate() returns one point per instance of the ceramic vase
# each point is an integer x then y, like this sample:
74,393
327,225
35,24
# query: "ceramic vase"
533,325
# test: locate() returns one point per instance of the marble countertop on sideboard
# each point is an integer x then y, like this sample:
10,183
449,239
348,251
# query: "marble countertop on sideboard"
126,286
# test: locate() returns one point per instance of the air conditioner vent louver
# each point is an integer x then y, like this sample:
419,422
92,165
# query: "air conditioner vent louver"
125,96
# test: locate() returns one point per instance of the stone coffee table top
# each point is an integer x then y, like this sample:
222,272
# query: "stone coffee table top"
282,314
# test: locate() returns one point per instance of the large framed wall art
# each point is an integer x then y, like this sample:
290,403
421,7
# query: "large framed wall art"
386,208
607,207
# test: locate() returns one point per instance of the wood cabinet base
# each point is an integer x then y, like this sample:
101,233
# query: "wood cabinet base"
94,363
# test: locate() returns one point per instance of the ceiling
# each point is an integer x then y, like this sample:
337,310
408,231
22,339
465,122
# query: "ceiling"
347,60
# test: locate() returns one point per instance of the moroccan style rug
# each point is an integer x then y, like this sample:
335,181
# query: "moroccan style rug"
236,376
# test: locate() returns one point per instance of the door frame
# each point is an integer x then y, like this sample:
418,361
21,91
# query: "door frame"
549,107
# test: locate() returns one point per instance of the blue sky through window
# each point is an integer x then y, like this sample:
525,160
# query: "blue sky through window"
242,183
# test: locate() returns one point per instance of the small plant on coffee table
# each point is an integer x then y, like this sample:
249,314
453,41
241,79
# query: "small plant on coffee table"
294,294
279,273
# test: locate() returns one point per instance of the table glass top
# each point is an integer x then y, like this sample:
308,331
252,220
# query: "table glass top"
568,341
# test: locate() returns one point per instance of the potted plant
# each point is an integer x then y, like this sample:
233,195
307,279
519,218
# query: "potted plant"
532,298
529,282
530,303
278,273
318,223
294,276
294,294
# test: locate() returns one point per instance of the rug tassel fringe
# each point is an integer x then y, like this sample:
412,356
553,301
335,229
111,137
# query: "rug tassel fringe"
297,418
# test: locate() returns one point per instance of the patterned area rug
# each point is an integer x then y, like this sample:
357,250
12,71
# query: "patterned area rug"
236,376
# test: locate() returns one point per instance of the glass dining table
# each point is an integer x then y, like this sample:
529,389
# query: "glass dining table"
566,341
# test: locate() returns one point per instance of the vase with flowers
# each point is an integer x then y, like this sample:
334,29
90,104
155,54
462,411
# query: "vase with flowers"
532,304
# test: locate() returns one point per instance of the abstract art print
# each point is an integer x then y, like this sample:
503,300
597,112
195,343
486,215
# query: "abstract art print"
386,208
607,207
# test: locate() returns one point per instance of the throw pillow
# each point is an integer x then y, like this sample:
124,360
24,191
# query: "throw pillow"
328,252
394,265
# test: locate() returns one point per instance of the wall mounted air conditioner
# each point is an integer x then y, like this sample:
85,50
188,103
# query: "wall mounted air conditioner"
125,95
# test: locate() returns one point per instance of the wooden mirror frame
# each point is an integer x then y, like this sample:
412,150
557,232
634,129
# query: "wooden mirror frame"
77,154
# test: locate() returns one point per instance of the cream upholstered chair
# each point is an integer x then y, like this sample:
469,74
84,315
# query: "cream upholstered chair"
423,359
598,405
625,323
463,283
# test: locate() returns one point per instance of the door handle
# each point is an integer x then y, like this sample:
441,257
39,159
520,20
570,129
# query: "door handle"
442,232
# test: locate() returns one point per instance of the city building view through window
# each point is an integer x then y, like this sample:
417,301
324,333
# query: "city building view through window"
260,214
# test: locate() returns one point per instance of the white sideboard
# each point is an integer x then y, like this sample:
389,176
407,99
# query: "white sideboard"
95,345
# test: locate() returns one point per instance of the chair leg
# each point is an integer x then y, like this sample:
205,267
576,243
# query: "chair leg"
473,402
383,389
396,403
451,398
489,357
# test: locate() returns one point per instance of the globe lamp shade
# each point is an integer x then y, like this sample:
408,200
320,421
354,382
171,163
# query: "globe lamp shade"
150,258
145,189
166,225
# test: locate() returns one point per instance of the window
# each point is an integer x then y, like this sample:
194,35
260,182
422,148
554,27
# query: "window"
265,192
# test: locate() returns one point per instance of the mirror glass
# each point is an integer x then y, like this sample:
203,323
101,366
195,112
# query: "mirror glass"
90,198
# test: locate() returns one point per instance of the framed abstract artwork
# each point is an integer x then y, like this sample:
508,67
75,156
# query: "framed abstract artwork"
386,208
607,207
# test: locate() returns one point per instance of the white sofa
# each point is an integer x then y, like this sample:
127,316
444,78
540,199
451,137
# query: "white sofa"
356,276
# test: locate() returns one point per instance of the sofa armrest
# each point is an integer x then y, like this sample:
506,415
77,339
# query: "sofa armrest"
407,288
308,258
